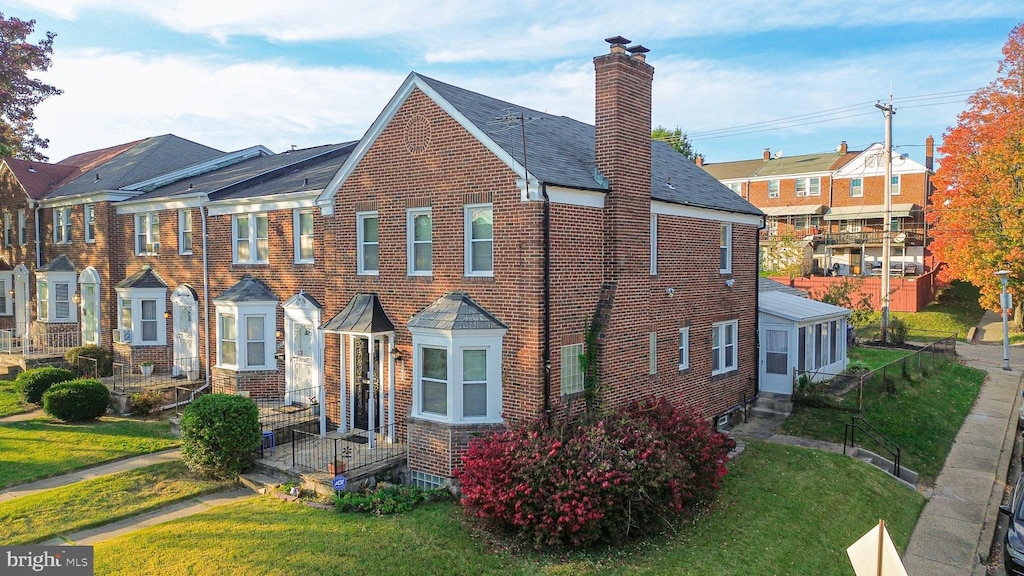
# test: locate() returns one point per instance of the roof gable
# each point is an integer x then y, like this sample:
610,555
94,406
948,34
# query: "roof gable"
59,264
456,311
248,289
871,162
146,277
39,178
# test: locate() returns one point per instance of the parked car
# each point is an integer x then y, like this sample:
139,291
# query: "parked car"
1013,543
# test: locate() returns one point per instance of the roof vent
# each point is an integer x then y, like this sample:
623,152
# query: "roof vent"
97,177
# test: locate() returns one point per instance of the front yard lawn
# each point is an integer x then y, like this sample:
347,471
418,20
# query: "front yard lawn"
782,510
40,449
60,511
922,418
10,401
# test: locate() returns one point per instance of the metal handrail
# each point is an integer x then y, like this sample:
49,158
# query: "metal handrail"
858,422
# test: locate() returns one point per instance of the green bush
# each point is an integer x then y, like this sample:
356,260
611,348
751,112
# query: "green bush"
104,359
219,433
145,402
387,499
898,330
77,400
32,383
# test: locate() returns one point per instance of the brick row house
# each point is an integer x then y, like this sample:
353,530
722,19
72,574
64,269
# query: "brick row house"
437,278
835,201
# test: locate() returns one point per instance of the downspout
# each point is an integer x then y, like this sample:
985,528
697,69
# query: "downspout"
757,316
39,256
547,302
206,294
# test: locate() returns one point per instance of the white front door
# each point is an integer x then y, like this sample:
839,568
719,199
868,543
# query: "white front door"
299,362
776,375
185,312
21,293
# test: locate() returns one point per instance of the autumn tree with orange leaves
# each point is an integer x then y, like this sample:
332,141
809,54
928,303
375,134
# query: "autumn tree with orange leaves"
977,211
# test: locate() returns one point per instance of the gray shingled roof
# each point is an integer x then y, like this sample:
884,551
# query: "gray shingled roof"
59,264
144,278
769,285
147,159
261,175
560,151
248,289
456,311
363,314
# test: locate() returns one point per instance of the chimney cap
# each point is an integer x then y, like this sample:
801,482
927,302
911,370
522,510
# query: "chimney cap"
614,40
638,49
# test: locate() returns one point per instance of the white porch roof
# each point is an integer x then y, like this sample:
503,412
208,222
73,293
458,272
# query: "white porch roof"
796,309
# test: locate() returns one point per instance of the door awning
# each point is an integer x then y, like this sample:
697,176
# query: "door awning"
868,212
363,315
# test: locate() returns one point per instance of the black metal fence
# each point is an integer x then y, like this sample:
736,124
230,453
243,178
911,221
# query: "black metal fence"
343,454
127,378
283,412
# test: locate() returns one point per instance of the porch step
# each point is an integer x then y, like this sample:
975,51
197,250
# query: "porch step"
907,477
261,482
770,405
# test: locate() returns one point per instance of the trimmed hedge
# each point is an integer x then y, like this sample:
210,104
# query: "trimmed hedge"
77,400
219,433
31,384
104,358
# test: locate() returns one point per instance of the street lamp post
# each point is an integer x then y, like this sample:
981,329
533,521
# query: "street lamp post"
1004,303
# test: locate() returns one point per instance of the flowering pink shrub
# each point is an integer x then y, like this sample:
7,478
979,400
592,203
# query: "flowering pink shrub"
628,473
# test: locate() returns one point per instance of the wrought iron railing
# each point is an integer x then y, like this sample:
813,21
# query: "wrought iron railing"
876,436
41,342
280,413
343,454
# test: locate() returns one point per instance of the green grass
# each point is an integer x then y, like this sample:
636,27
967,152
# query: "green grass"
875,357
43,448
10,401
921,419
60,511
782,510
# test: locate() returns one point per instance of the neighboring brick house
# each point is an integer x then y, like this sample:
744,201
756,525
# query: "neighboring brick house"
835,200
469,271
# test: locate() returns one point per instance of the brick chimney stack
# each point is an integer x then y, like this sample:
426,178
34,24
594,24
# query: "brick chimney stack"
929,153
700,160
843,147
622,153
767,154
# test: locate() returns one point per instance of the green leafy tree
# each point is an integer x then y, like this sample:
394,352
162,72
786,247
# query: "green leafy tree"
676,139
19,91
976,220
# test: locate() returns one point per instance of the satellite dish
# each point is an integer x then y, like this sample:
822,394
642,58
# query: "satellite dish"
778,154
900,238
839,147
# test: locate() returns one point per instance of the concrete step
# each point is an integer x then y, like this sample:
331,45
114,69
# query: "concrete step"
261,482
762,412
906,476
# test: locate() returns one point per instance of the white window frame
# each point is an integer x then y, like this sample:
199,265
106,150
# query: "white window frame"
297,216
856,187
684,348
814,186
48,307
411,241
719,351
654,244
773,188
240,313
6,285
737,187
147,234
185,235
7,228
362,243
62,225
253,238
896,184
454,343
89,223
725,249
137,298
653,359
471,242
22,227
570,369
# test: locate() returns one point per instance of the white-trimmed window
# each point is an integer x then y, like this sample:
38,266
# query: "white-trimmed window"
654,244
457,376
808,187
147,233
684,348
572,369
773,188
653,357
7,229
90,223
895,185
250,243
725,249
185,232
53,294
245,335
62,225
141,316
302,224
367,243
857,187
419,241
723,347
479,231
6,283
22,227
737,187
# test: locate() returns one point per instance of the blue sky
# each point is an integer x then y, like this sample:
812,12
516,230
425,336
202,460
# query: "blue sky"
233,74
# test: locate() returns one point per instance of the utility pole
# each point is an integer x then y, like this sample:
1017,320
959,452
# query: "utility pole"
888,111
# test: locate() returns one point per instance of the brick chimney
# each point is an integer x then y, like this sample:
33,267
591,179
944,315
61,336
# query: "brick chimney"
929,153
622,153
700,160
767,154
842,147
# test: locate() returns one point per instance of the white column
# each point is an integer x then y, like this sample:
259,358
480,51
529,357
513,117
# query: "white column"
342,383
391,389
371,403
